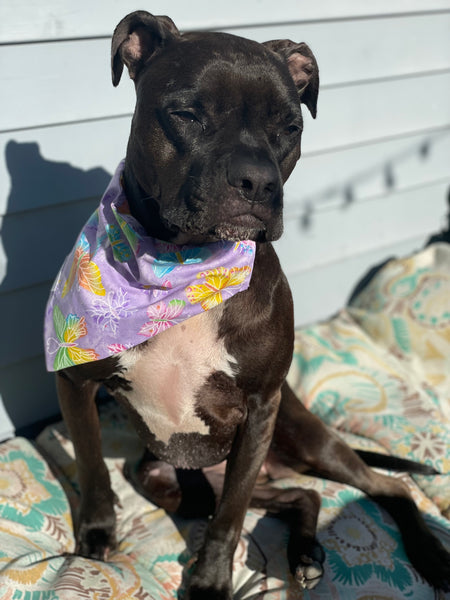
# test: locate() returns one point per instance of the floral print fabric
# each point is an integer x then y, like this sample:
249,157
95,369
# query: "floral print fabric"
377,373
119,287
381,368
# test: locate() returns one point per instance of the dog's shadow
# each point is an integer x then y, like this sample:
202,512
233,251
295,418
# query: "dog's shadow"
46,205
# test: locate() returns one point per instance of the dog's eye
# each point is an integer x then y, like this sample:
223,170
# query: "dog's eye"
288,132
185,116
292,130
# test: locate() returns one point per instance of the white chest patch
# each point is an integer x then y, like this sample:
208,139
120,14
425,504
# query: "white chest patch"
167,374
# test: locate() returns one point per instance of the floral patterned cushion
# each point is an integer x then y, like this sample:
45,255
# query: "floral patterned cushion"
381,368
378,373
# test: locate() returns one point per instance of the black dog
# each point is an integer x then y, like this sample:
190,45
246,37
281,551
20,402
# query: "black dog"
215,134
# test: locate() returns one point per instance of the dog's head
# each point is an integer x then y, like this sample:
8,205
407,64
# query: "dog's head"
217,127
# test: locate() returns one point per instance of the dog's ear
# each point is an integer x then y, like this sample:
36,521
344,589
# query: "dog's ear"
303,68
136,38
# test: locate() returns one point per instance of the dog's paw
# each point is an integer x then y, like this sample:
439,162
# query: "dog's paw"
96,539
308,569
209,582
96,542
308,573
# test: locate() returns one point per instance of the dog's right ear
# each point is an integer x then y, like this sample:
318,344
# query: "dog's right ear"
303,68
136,38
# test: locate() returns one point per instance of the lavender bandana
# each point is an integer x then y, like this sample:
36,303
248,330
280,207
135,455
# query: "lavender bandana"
119,287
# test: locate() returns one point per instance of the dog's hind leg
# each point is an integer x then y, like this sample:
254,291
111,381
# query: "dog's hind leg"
303,443
299,508
196,493
186,492
96,520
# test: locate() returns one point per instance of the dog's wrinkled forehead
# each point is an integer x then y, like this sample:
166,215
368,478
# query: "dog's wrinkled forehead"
220,70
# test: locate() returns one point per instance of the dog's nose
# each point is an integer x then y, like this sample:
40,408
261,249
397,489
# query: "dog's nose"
256,177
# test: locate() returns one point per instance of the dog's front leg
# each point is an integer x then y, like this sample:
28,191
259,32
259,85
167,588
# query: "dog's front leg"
212,577
95,532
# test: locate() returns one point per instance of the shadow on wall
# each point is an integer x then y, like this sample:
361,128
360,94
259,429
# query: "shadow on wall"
47,205
380,178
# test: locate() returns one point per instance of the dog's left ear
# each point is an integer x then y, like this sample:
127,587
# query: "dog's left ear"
303,68
136,39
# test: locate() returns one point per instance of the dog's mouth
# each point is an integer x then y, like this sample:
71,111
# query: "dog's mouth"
241,227
197,225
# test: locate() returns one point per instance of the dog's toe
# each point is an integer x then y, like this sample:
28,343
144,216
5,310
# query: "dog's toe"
308,573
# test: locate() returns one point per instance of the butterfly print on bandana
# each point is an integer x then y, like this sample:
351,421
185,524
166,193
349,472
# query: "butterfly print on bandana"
162,317
118,348
169,260
244,248
68,330
108,311
131,235
84,270
121,250
212,292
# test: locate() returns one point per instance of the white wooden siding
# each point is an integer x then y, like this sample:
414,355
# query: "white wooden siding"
22,20
372,182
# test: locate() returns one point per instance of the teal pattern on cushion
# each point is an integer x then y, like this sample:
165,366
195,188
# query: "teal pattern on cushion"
357,535
49,500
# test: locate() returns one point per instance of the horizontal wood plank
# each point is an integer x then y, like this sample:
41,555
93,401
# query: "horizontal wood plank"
360,113
372,170
320,292
57,165
24,20
22,323
357,50
338,233
373,111
76,82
